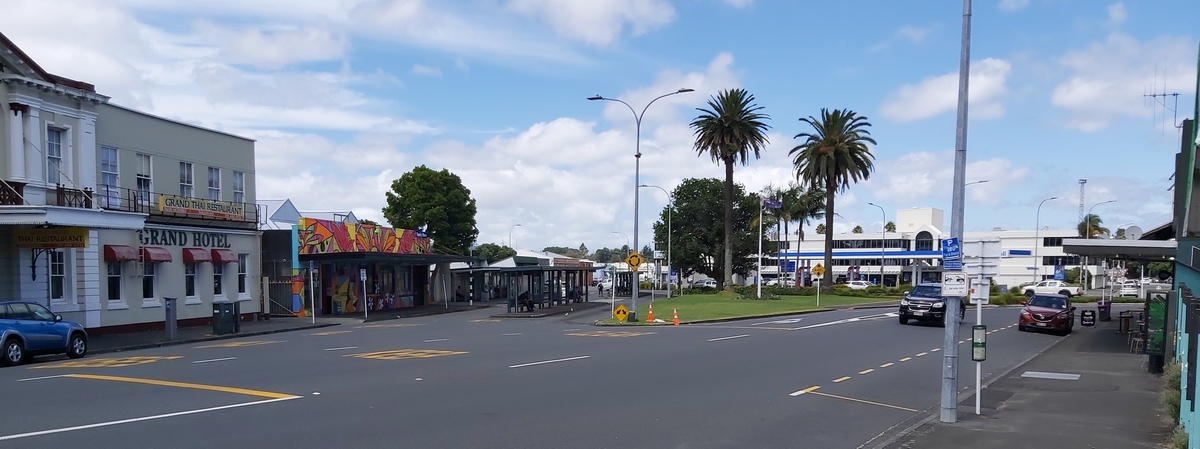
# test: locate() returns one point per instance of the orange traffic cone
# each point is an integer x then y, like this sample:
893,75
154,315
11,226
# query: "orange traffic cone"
650,315
676,320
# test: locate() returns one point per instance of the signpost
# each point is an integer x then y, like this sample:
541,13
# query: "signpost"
819,271
621,313
362,278
634,260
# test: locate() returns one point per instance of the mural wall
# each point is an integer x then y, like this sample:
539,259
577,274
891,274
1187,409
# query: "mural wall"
317,236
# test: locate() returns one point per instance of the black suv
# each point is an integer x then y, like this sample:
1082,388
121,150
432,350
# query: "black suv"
926,303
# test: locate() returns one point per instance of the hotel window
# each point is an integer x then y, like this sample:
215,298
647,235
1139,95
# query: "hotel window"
239,187
148,280
54,155
109,180
114,281
189,279
186,182
144,186
1052,241
218,271
242,258
58,274
214,183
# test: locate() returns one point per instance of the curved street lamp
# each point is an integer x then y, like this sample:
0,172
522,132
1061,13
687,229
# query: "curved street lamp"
510,240
882,242
670,206
1037,266
637,167
1088,217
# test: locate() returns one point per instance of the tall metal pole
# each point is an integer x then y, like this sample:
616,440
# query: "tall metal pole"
882,243
670,206
510,240
637,169
949,408
759,274
1037,228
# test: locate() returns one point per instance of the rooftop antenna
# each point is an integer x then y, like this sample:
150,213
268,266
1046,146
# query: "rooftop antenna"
1158,99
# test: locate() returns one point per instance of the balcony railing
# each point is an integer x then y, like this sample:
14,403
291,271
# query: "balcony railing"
167,205
71,197
12,193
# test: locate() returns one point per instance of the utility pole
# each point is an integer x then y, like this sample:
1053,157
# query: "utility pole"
949,408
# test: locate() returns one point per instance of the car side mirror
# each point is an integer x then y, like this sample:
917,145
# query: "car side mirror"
1024,302
1072,308
905,293
57,318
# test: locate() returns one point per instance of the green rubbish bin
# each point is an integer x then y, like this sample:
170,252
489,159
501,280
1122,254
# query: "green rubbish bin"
224,320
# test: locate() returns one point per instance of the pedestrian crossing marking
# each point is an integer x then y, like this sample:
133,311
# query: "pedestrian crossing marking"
401,354
108,362
331,332
239,344
608,334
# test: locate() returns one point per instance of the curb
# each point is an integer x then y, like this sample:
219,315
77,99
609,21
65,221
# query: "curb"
591,305
209,338
934,410
430,313
722,320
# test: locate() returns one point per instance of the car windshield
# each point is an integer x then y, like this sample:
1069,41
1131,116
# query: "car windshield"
927,291
1048,302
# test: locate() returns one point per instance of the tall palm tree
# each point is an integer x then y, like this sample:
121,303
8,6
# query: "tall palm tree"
1092,222
729,130
833,155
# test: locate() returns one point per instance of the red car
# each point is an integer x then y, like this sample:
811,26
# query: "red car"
1049,312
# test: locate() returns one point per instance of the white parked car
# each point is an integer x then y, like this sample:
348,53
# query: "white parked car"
1052,288
1129,288
858,285
711,283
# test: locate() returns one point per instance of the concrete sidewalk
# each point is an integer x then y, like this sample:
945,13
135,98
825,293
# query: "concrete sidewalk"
1113,404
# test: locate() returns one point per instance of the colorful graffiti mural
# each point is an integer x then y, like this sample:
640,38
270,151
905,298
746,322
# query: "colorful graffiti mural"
317,236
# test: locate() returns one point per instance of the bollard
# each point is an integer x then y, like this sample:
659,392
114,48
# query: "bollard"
172,323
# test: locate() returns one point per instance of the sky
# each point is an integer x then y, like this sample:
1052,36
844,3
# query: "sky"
345,96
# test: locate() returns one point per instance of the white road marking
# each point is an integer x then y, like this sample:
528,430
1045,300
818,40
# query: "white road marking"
144,418
40,378
1054,376
787,321
570,330
806,390
437,340
729,337
892,314
514,333
568,359
847,320
343,348
222,359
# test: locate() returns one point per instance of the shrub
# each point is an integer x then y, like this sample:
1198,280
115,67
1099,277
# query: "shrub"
1169,395
1179,438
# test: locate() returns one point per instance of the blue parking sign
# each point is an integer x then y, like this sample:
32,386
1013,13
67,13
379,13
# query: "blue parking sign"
951,250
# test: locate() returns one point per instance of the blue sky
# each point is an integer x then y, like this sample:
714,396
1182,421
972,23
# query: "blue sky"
345,96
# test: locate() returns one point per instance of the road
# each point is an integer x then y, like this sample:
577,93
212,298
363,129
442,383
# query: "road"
823,380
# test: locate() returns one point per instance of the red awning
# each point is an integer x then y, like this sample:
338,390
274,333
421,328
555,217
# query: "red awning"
223,256
118,253
155,254
193,255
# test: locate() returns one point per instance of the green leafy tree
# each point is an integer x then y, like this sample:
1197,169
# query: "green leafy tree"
730,130
857,230
569,252
647,252
437,203
697,243
494,253
1094,224
367,221
890,226
604,255
583,251
833,155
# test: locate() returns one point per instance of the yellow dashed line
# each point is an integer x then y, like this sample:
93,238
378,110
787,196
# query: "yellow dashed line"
166,383
841,379
885,365
401,354
906,359
866,371
608,334
239,344
922,354
331,333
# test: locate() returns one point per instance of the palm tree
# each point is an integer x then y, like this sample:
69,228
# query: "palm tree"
832,156
1092,223
729,130
857,229
821,228
890,226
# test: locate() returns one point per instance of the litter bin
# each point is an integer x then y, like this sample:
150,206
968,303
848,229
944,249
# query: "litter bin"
1104,308
224,321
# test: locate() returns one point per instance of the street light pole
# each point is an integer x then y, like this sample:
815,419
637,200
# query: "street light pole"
510,240
949,392
670,207
882,242
1088,235
1037,228
627,249
637,167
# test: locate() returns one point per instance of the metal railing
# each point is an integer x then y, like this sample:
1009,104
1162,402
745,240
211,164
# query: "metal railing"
146,202
12,193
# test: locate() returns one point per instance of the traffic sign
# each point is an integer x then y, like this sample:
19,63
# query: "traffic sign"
951,250
634,260
621,313
952,264
954,283
818,270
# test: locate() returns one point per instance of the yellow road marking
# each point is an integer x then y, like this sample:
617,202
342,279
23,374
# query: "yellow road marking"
885,365
897,407
239,344
841,379
608,334
906,359
373,326
108,362
866,371
331,332
401,354
167,383
922,354
806,390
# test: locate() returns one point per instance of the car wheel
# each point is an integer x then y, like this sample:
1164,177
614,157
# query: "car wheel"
77,347
1028,293
1065,293
14,352
903,319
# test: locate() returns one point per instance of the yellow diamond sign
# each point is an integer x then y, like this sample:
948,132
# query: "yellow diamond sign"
818,270
621,313
634,260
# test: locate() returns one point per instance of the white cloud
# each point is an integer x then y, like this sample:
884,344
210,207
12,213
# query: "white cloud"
738,3
598,21
913,33
920,178
424,70
937,95
275,46
1013,5
1117,14
1109,78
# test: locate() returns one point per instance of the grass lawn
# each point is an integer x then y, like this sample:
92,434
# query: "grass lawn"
726,305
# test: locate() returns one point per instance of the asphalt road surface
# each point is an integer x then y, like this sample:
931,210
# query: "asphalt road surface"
824,380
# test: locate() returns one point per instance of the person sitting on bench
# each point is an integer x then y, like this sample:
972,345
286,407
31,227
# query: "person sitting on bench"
525,302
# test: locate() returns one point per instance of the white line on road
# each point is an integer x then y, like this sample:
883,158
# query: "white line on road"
569,330
847,320
806,390
144,418
514,333
787,321
729,337
40,378
343,348
568,359
437,340
222,359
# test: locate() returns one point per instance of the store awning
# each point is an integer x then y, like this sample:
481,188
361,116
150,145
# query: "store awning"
223,256
155,254
193,255
119,253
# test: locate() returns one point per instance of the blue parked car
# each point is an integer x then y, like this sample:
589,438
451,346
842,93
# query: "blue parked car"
29,329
